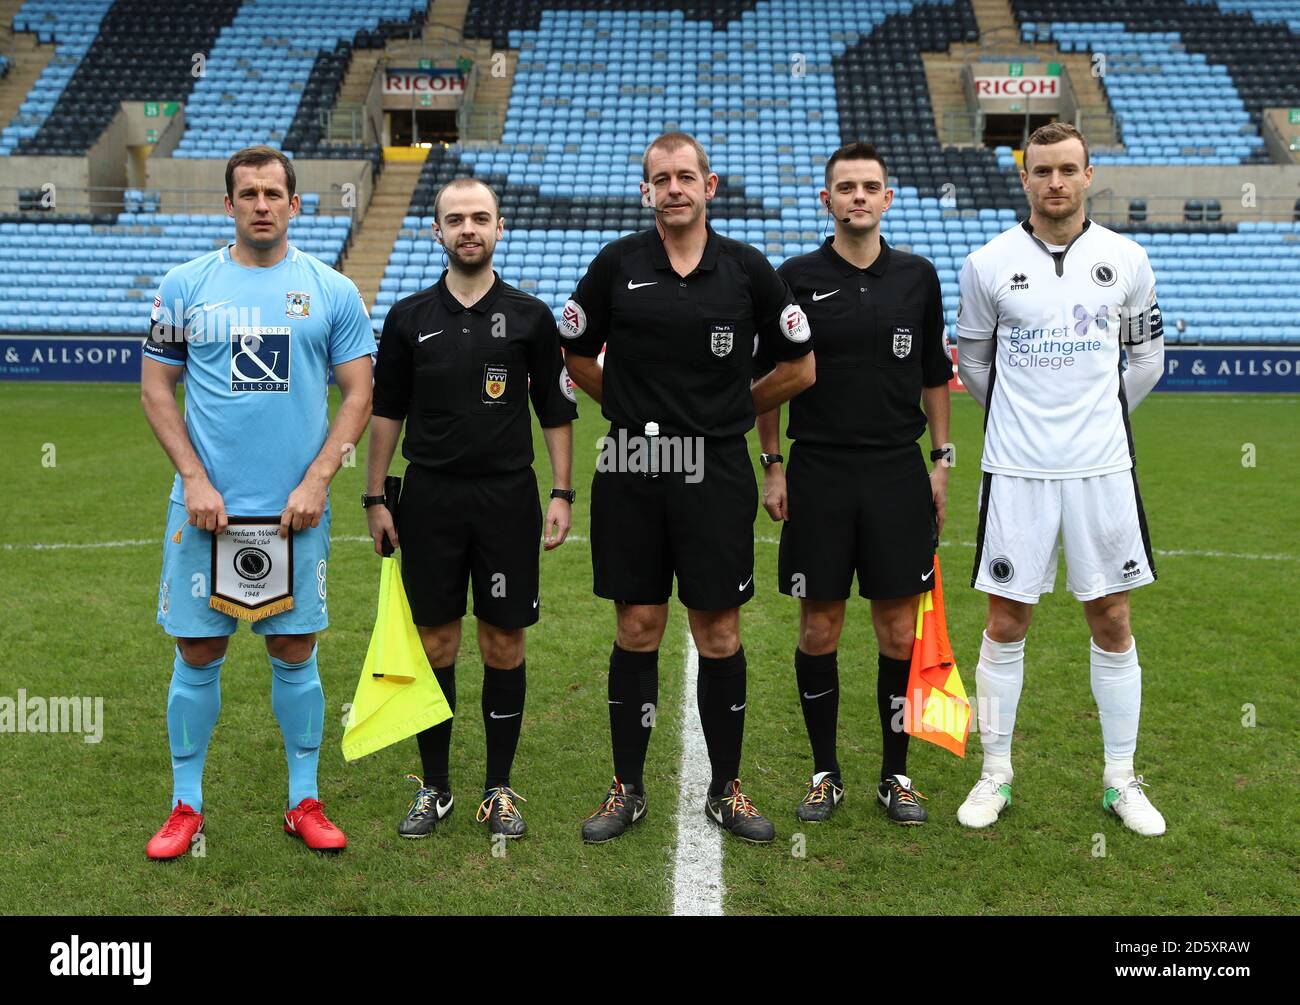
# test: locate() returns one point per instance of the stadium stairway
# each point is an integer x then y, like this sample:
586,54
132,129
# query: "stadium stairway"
998,28
376,234
27,57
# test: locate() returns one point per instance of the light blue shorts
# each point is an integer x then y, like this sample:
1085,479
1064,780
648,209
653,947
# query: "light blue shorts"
183,591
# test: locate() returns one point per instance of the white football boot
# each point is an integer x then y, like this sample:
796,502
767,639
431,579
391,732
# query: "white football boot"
990,796
1125,798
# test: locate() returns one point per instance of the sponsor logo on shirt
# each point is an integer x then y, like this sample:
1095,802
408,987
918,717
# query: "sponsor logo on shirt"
566,385
794,323
297,304
259,359
573,321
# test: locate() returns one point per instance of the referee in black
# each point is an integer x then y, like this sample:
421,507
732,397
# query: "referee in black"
679,310
457,361
858,498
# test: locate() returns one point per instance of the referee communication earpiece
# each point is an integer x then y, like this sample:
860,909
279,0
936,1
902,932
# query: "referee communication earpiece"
842,219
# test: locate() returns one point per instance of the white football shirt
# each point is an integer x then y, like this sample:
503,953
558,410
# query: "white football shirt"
1056,404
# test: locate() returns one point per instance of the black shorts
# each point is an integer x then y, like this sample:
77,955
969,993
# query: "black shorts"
644,530
453,527
859,510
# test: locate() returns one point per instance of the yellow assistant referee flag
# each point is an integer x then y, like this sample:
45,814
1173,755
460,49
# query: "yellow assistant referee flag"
936,708
397,695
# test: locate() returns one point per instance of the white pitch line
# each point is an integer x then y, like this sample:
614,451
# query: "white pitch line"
580,539
697,871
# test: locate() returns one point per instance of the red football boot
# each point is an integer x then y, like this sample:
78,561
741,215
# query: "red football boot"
307,820
173,840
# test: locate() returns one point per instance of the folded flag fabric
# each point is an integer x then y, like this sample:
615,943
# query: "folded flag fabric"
936,708
397,695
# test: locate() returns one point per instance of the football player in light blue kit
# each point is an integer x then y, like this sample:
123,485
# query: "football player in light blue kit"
255,327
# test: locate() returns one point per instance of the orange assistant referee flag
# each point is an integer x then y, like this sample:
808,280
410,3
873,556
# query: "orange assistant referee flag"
936,708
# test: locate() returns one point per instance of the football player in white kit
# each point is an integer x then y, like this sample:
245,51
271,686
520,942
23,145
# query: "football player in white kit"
1048,311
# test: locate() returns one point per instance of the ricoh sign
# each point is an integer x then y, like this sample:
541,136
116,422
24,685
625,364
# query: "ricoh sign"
1016,88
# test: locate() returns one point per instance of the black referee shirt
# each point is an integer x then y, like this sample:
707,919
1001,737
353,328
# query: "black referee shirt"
680,350
879,341
459,376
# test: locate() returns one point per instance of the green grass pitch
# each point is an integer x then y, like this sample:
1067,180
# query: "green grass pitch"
1216,633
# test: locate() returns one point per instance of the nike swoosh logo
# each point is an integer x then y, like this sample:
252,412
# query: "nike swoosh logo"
175,765
613,702
304,753
535,603
927,575
639,812
746,582
737,708
421,338
823,296
810,697
442,809
636,286
207,307
493,715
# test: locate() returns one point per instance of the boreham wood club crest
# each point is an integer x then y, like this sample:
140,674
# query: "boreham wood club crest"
902,342
721,338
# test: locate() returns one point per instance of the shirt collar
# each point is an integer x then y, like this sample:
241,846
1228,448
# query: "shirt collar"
482,306
846,268
659,255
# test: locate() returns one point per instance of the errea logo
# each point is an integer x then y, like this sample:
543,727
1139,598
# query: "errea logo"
1020,281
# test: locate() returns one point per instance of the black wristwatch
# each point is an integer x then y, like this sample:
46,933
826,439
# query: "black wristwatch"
568,495
942,454
767,460
368,501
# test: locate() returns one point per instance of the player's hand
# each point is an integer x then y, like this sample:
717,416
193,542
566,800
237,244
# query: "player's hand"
305,507
775,500
939,493
559,518
205,506
381,523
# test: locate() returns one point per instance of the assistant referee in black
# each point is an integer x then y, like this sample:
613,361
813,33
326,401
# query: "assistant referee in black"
678,309
458,362
857,497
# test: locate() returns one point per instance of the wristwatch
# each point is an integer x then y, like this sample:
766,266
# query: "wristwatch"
368,501
568,495
767,460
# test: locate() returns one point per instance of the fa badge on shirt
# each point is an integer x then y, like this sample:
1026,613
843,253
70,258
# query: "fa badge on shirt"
297,304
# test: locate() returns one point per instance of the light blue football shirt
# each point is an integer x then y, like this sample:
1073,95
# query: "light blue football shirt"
257,345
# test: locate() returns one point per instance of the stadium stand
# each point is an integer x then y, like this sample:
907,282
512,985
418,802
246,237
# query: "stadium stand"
73,26
308,45
100,274
596,79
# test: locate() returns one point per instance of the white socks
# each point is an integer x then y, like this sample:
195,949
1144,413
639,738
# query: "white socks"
1117,686
999,678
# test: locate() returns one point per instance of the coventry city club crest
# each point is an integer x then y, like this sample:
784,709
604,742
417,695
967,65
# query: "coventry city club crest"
297,304
902,342
721,338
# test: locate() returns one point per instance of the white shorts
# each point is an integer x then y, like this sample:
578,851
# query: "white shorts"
1099,520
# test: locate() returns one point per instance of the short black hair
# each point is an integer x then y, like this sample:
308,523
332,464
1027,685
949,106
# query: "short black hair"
256,157
856,151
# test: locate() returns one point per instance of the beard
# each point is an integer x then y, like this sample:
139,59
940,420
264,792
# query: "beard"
471,267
